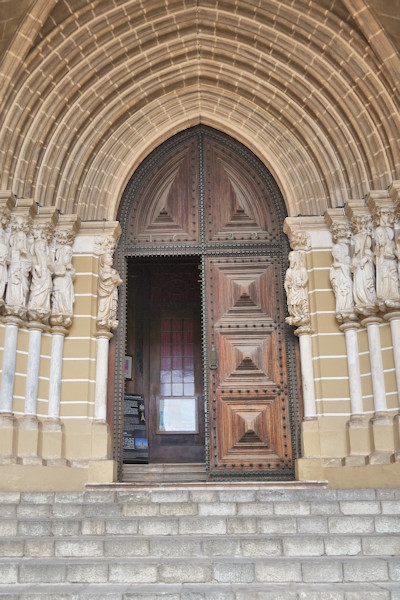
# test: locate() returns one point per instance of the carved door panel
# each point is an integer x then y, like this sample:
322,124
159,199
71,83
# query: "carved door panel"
247,375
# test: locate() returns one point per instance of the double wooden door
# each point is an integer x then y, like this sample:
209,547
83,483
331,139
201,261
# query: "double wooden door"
202,225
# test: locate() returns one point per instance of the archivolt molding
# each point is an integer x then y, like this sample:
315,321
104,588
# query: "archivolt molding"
296,84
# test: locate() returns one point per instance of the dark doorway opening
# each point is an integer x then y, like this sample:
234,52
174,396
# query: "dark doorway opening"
164,340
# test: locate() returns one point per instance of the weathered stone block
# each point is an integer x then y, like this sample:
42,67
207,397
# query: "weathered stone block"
278,571
262,546
141,510
342,545
351,524
188,572
231,571
8,573
205,525
176,546
322,572
42,572
365,570
276,526
158,526
93,572
131,572
126,547
217,509
241,525
303,546
81,547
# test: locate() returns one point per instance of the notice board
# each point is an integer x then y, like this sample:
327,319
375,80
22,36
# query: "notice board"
136,446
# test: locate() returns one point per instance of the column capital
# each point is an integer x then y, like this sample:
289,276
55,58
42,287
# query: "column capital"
371,320
349,325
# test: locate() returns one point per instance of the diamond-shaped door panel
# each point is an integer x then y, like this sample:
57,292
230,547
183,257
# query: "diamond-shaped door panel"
168,209
249,434
238,217
241,290
246,363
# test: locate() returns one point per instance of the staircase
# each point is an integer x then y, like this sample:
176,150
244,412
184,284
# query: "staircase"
201,541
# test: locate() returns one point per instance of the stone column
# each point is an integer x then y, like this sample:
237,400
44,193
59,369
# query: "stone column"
61,318
16,221
341,276
394,320
296,287
100,406
38,314
107,291
307,372
8,422
357,425
388,300
29,424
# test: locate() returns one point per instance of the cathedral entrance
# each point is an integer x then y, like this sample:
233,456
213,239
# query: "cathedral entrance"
202,311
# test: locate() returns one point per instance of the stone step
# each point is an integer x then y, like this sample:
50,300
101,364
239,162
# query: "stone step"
244,546
164,473
187,591
221,570
200,540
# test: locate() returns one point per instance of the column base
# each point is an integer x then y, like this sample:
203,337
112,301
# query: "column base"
101,440
310,438
382,439
380,458
396,457
355,460
359,441
28,441
8,428
52,442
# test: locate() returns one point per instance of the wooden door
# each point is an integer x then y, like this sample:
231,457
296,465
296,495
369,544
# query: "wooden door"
248,374
203,197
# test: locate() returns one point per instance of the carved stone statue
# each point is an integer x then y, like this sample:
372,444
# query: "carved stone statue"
387,275
109,280
362,266
63,297
3,265
296,280
41,282
342,283
19,267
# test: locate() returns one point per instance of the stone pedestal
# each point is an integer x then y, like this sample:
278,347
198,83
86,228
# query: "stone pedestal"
396,430
310,438
382,439
101,440
8,428
359,440
28,441
52,442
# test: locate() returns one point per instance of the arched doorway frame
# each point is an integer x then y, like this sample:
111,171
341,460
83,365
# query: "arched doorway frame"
127,250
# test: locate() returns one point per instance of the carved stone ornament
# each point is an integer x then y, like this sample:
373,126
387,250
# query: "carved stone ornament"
299,240
341,230
107,290
386,261
3,265
363,269
41,275
62,296
296,280
19,268
342,283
